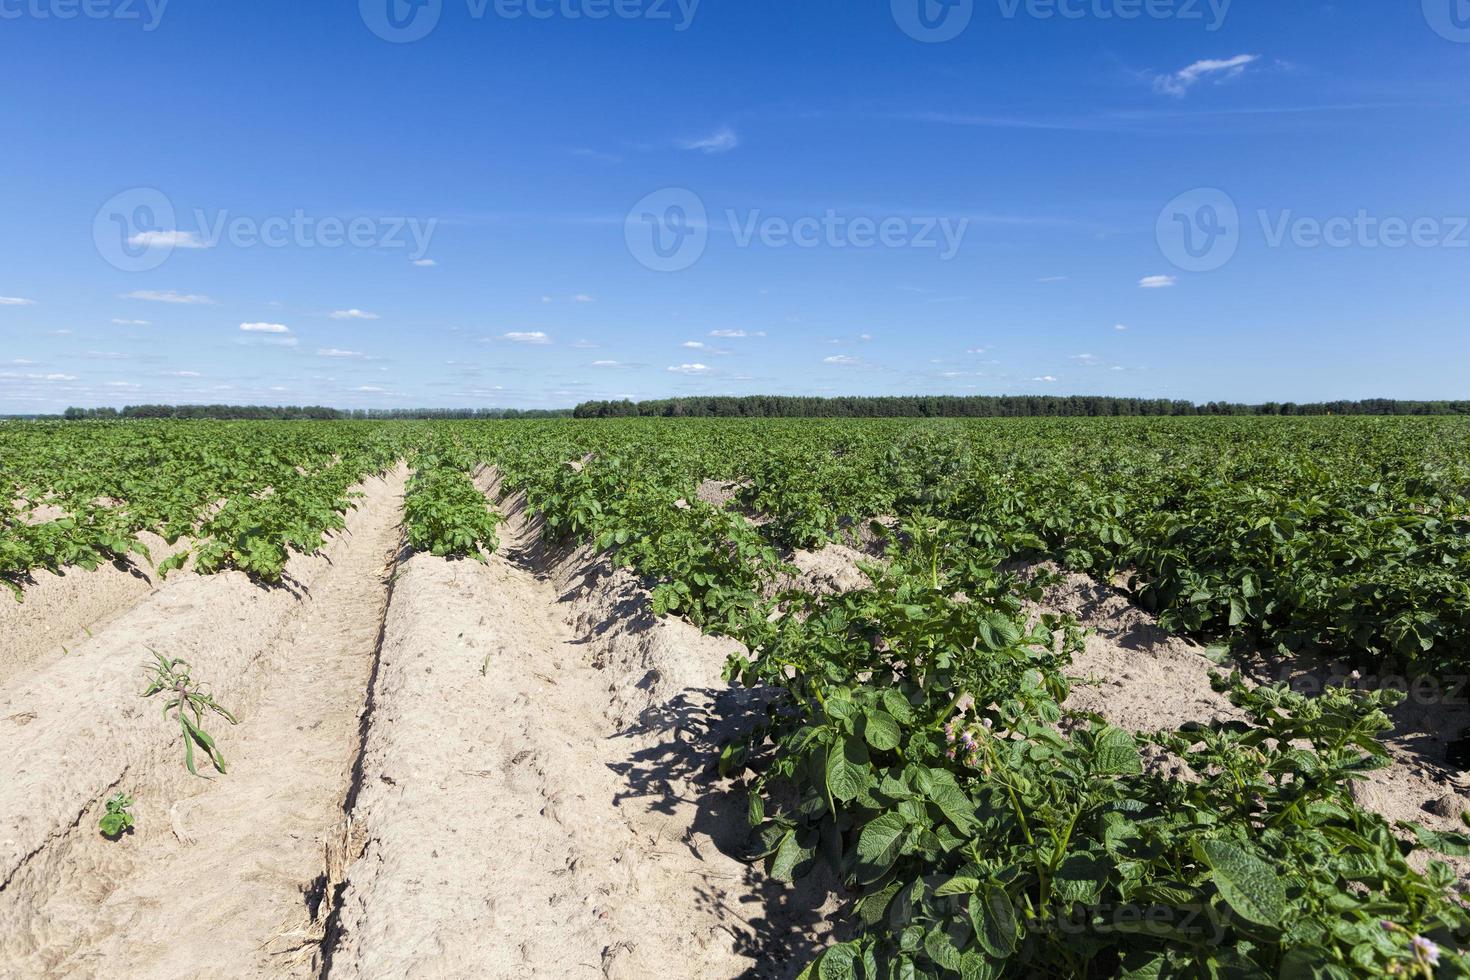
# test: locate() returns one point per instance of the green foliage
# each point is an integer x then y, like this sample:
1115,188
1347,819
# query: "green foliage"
117,820
190,702
445,513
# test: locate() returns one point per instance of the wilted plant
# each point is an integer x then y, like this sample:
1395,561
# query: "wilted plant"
186,698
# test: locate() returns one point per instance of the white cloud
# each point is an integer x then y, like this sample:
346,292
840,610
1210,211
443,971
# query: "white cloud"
371,389
1052,279
526,337
1219,70
424,263
1156,282
182,374
583,298
584,345
1048,379
689,368
865,336
728,334
37,377
1086,358
16,301
265,328
131,323
1120,327
122,384
167,239
353,314
976,350
607,364
722,140
168,296
334,352
694,344
843,360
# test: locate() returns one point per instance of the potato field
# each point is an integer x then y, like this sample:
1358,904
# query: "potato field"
720,698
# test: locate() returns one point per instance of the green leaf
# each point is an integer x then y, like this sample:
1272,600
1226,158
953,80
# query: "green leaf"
1249,885
879,845
847,769
994,919
1117,754
881,730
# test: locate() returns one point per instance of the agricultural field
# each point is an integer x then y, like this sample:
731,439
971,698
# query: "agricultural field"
725,698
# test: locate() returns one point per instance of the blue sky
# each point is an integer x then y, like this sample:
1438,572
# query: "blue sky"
531,205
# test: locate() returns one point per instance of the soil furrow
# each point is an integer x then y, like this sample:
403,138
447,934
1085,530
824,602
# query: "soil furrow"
219,876
538,796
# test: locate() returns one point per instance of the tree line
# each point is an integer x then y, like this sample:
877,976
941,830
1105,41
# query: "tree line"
990,406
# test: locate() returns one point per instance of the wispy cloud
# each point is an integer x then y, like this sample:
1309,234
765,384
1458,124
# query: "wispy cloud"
689,369
169,296
265,328
526,337
583,298
424,263
722,140
335,352
1156,282
1213,69
1045,379
842,360
607,364
167,239
130,323
353,314
16,301
1120,327
736,334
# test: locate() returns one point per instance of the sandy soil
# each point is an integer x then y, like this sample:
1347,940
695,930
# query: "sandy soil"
59,611
232,858
583,832
1140,677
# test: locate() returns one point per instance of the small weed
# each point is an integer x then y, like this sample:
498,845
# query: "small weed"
117,820
187,698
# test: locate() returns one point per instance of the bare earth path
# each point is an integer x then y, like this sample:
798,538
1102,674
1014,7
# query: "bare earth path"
217,887
524,810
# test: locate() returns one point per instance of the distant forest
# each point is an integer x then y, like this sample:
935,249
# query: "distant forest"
292,412
774,406
991,406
